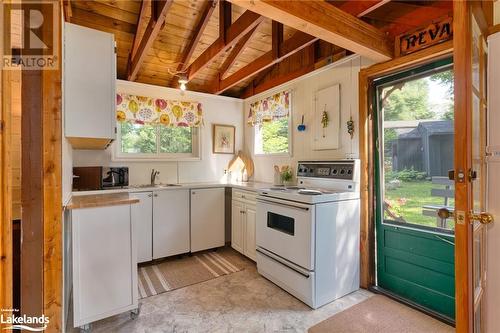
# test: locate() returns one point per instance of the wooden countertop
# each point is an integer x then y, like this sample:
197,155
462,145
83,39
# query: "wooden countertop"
100,200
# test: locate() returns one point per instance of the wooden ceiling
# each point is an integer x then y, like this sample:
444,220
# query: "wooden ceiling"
242,53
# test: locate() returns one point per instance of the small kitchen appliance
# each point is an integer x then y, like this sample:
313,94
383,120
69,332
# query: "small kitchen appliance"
308,235
99,178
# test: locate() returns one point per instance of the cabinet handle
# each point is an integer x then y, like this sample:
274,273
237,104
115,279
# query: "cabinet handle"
156,195
150,195
243,196
193,192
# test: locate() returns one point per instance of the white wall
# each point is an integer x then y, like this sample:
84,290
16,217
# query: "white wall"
344,72
216,110
493,199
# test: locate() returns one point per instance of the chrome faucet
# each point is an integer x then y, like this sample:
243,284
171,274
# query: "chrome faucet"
154,174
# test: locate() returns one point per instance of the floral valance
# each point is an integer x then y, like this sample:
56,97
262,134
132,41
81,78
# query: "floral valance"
148,110
274,107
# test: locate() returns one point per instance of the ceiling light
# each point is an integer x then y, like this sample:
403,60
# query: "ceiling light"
183,81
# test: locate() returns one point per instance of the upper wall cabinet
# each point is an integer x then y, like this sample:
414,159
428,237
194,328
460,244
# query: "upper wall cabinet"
327,118
89,87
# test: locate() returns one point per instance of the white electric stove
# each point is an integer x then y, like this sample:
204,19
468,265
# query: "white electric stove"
308,235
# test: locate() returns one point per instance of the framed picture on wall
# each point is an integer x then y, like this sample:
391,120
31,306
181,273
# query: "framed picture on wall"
223,139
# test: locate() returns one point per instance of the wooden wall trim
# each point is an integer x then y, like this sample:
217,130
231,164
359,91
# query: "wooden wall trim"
52,191
5,192
366,77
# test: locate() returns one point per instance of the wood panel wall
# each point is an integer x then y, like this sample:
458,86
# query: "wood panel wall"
16,143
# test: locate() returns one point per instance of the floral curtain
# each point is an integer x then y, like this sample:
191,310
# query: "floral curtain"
148,110
274,107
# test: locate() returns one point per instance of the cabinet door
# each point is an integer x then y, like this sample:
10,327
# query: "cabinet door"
104,262
89,83
170,223
250,243
207,219
237,226
142,217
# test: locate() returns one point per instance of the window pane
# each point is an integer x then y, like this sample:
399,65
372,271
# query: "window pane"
176,139
272,137
418,144
138,139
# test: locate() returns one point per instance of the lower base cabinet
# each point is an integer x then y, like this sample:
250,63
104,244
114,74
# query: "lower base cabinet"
243,219
170,223
207,218
104,263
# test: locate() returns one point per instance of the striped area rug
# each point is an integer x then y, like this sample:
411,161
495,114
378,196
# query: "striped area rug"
176,273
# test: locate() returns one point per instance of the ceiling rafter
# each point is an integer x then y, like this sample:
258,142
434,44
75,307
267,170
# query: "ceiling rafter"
235,52
198,32
159,9
294,44
140,22
324,21
244,24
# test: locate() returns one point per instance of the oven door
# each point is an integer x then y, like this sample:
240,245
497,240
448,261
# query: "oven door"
286,229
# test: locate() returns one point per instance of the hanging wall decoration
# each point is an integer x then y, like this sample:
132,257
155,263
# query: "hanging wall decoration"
324,120
148,110
350,127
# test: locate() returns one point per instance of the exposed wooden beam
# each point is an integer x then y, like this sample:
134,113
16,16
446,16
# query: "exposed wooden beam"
294,44
67,10
159,11
260,85
328,23
225,18
198,31
140,22
362,8
235,52
243,25
277,38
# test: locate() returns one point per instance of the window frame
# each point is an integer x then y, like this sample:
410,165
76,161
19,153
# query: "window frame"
195,155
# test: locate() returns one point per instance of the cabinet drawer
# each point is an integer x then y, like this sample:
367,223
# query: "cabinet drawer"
245,195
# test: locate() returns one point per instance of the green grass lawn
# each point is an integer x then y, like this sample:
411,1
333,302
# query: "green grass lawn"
417,195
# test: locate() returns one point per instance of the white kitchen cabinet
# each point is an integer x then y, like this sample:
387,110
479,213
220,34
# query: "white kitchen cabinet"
142,217
237,225
207,218
250,242
243,213
170,223
104,263
89,87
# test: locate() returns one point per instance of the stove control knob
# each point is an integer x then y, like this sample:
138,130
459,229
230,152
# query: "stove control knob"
311,170
334,171
349,172
342,171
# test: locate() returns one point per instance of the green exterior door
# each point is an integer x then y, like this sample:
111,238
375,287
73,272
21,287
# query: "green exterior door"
414,151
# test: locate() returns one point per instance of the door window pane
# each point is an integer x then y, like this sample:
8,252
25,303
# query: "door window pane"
417,145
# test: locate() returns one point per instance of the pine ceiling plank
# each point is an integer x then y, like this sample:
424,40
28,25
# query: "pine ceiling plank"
153,29
235,53
234,33
198,31
326,22
106,10
299,41
361,8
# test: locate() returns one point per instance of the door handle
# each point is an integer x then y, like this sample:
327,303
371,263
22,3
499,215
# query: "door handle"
445,213
483,217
